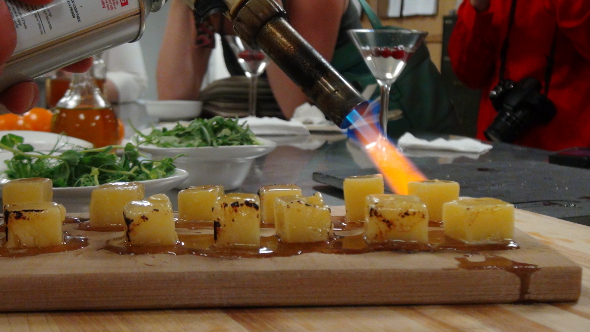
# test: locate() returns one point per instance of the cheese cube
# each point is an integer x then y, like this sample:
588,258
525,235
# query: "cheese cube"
434,193
479,220
356,190
161,201
267,199
108,200
196,203
395,217
299,220
316,199
148,223
34,224
238,220
27,190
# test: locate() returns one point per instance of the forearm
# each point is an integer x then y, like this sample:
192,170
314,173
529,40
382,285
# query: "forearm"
288,95
181,65
318,23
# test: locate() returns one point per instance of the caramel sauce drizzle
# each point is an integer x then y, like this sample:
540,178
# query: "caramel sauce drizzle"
523,271
70,243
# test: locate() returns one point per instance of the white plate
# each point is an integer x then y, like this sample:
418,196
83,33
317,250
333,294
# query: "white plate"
77,199
44,141
268,126
172,109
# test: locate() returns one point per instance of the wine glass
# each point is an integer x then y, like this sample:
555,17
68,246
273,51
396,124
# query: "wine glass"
386,52
253,61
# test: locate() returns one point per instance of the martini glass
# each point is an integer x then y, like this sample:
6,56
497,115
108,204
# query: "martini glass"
253,61
386,53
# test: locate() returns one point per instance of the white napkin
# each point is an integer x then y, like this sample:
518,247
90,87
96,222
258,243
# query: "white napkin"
308,114
463,144
315,121
267,126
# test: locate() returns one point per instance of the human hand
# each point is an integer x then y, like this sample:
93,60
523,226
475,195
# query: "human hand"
481,5
21,97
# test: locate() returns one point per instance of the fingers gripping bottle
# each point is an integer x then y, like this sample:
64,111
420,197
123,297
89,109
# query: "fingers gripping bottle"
65,31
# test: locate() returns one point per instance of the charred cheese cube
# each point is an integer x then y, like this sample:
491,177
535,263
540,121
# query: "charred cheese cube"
300,220
479,220
34,224
356,190
27,190
197,203
434,193
149,223
268,194
108,200
395,217
238,221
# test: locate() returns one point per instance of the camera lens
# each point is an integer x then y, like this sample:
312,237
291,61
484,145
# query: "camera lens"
505,128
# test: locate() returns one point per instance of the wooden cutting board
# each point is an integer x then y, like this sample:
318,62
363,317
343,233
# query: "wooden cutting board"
95,279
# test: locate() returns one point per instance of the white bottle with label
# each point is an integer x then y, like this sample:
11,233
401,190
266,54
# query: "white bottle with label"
65,31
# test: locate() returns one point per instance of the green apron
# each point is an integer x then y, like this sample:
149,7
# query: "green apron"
418,92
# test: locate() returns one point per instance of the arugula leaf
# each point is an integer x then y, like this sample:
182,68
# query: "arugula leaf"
82,167
217,131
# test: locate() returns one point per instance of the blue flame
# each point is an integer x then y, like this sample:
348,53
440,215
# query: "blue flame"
363,124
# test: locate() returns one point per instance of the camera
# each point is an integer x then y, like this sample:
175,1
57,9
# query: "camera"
520,106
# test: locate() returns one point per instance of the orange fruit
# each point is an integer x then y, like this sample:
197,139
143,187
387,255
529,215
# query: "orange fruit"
12,121
39,119
121,128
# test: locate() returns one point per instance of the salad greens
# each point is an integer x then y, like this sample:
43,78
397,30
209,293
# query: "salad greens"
217,131
79,167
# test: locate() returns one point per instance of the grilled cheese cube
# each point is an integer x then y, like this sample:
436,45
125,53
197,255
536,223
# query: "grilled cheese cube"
238,221
27,190
197,203
149,223
479,220
108,200
299,220
34,224
268,194
356,190
434,193
395,217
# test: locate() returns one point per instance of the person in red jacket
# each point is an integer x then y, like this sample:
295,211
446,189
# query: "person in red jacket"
540,56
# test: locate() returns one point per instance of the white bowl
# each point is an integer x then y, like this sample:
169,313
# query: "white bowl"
171,110
222,165
44,141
